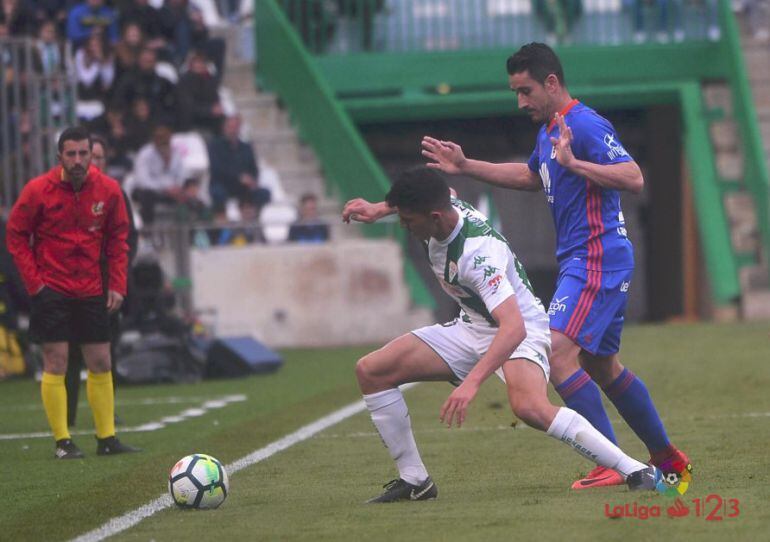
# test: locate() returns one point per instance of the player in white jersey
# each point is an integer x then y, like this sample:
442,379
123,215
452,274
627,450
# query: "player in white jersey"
502,327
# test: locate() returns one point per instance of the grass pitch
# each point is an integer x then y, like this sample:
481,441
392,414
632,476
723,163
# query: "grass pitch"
496,482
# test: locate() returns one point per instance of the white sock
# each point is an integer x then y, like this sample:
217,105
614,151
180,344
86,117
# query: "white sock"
570,427
391,418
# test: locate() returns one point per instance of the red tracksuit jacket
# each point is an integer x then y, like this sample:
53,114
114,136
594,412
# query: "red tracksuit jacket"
56,235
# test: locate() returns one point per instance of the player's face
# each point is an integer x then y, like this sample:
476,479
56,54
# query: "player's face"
418,224
533,97
75,157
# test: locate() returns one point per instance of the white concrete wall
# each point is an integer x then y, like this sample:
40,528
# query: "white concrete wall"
344,292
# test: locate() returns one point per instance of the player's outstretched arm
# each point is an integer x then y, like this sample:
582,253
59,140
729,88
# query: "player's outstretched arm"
360,210
510,333
448,157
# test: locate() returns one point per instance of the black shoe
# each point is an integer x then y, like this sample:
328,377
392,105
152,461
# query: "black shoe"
645,479
400,490
112,446
66,449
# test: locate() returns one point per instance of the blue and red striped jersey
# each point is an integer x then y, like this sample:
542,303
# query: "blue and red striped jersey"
590,229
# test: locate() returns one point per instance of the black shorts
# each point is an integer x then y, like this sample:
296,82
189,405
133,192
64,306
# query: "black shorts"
56,317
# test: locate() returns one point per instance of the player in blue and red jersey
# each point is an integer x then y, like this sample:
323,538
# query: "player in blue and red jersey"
581,165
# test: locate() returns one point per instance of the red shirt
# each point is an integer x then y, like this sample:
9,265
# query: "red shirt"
56,235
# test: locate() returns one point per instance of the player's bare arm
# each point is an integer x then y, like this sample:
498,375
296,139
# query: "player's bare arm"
448,157
511,332
624,176
360,210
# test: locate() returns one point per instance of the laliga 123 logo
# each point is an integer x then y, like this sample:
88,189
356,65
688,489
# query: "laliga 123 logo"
677,481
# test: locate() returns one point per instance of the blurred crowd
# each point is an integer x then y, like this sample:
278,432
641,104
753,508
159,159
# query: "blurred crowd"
149,84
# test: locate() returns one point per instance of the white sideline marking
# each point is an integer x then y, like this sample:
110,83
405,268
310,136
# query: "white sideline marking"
128,520
148,426
147,401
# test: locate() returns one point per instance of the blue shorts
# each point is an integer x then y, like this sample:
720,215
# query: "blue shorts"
589,307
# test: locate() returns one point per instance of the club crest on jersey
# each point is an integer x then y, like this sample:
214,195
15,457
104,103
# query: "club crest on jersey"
97,208
454,291
452,271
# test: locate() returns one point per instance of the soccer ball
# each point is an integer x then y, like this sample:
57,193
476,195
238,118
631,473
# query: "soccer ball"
672,478
198,481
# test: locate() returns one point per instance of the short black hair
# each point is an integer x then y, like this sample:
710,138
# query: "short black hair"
539,60
98,140
419,190
74,133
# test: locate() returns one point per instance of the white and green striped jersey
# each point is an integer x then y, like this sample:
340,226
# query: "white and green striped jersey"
475,265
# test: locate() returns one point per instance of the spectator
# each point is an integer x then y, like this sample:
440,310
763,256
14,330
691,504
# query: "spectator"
665,12
199,104
234,171
158,174
128,48
757,16
139,124
112,126
558,16
89,17
309,228
94,69
155,23
190,33
247,232
51,10
144,82
49,54
17,16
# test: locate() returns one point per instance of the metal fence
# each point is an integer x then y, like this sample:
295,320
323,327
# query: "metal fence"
352,26
36,101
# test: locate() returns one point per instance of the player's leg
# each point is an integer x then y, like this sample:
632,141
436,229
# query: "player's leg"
527,394
405,359
91,330
631,397
575,295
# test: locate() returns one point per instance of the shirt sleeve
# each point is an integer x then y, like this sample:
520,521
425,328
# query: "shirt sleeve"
596,141
116,245
534,160
485,271
22,224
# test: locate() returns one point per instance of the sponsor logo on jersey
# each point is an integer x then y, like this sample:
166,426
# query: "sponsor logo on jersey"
545,176
553,152
616,149
624,287
489,271
558,305
478,260
495,282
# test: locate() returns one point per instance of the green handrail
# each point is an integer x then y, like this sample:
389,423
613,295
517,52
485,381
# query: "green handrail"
348,163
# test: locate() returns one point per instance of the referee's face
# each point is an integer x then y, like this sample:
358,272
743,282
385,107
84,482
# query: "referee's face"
75,157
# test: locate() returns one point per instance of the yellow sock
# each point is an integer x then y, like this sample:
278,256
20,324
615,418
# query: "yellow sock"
55,404
102,400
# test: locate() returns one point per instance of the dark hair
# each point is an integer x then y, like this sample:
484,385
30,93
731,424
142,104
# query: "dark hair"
419,190
98,140
539,60
308,196
74,133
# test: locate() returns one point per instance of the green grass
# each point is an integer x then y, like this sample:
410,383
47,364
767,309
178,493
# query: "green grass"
495,482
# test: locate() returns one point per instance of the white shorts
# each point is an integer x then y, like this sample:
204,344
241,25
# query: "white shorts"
462,345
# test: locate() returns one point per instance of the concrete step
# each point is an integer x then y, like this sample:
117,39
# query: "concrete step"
718,96
757,63
724,135
761,93
754,277
240,77
755,305
742,217
729,165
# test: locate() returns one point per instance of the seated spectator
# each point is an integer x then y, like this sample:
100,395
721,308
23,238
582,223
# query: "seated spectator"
139,124
199,105
144,82
51,10
155,23
190,33
558,17
191,207
90,16
112,127
246,233
128,48
94,69
18,18
309,228
158,174
234,172
49,53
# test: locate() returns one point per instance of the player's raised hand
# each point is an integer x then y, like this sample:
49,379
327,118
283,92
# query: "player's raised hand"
360,210
446,155
457,403
563,144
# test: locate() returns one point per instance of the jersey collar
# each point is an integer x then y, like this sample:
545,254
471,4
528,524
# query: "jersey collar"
455,231
563,113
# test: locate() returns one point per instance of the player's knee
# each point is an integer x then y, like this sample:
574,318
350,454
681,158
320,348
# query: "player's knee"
54,362
365,370
99,364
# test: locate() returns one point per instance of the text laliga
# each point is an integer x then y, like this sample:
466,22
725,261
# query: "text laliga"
632,510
